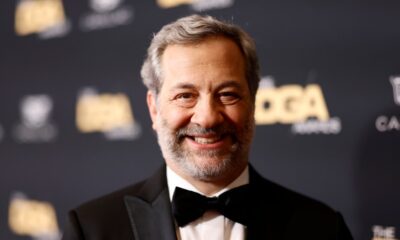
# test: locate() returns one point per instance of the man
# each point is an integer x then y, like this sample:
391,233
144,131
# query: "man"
202,76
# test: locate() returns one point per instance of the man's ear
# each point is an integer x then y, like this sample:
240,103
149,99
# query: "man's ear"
152,105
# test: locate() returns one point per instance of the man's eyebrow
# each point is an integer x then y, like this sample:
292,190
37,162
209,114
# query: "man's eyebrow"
230,83
184,86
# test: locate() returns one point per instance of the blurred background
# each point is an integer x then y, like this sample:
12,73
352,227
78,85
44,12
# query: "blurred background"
74,123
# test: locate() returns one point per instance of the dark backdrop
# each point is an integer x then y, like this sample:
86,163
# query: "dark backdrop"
74,124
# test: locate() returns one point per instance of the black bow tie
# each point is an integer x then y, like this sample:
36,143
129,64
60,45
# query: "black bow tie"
188,206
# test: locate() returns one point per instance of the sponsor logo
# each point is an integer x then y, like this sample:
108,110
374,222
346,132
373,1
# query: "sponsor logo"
35,124
106,14
107,113
395,81
383,233
197,5
104,5
36,219
303,107
384,123
387,123
43,17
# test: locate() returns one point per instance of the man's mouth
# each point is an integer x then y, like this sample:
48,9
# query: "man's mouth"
206,140
210,137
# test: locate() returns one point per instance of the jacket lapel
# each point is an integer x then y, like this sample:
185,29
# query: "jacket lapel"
150,210
264,210
151,218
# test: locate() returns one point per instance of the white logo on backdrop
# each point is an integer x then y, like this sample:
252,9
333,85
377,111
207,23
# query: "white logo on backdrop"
383,233
386,123
396,89
102,6
203,5
106,14
197,5
35,125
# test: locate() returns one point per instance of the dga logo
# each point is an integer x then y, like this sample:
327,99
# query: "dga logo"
385,123
44,17
303,107
197,5
108,113
383,233
35,125
32,218
106,14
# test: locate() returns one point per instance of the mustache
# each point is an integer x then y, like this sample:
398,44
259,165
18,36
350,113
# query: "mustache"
219,130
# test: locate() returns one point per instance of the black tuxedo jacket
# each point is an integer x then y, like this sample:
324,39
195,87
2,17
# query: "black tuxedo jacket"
143,212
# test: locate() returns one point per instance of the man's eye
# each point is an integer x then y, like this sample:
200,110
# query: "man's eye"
185,96
186,99
229,97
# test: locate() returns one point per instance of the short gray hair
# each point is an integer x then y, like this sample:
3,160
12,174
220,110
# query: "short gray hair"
194,29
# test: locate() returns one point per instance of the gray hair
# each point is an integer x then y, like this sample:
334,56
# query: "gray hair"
194,29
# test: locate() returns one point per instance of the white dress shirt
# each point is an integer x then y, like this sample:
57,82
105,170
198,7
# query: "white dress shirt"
212,225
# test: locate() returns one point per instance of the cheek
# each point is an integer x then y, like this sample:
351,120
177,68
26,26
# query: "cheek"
240,116
175,118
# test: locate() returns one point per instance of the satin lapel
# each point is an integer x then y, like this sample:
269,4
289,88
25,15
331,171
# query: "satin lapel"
150,210
264,210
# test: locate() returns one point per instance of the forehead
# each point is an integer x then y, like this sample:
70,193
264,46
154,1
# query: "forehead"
213,57
214,47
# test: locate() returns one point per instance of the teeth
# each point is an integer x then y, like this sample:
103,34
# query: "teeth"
206,140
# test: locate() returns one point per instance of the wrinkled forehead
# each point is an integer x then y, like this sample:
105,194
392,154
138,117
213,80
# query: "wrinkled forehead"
218,57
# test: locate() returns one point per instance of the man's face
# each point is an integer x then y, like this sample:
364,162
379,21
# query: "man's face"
203,114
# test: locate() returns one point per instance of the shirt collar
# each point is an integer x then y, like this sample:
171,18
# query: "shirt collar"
174,180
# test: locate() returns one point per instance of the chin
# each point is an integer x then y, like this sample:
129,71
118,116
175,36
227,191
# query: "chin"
211,168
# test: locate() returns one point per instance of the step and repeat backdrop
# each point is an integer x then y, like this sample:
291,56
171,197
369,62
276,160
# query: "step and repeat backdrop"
74,123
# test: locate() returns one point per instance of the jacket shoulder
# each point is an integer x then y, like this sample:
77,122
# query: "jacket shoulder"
105,217
296,214
113,203
278,195
109,202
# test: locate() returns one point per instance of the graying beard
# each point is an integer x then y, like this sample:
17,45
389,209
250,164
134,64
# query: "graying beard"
205,172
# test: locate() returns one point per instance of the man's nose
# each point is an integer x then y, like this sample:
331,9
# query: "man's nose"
207,113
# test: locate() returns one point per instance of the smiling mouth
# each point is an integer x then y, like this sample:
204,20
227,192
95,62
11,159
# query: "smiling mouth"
206,137
209,139
206,140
